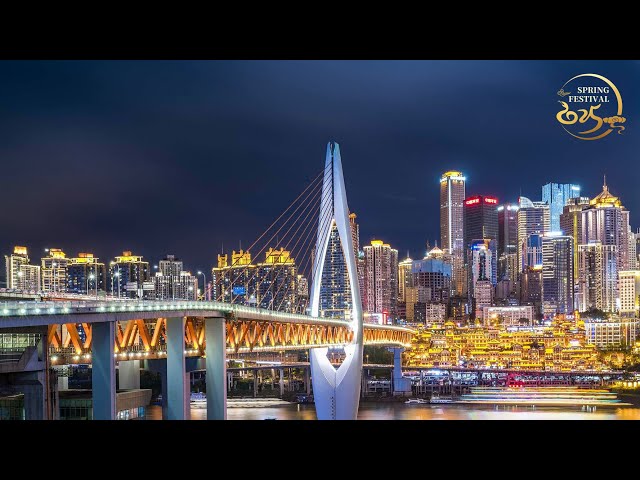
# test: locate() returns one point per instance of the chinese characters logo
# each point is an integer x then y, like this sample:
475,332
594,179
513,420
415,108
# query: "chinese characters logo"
591,107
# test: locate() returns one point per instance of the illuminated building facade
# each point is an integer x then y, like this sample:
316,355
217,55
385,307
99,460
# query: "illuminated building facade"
335,297
86,275
533,218
273,284
20,274
556,195
235,282
171,282
557,274
381,278
480,222
612,333
355,238
629,288
130,276
54,271
571,225
404,278
507,316
452,195
605,222
508,242
561,346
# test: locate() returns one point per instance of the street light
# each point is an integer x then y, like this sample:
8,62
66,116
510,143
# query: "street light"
92,277
204,285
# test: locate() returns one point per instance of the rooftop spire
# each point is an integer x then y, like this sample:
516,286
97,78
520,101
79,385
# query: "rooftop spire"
604,185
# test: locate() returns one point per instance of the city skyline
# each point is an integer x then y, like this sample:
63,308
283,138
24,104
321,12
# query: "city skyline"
101,144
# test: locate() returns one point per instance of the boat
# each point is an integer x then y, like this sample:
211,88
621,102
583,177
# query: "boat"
198,399
439,399
415,401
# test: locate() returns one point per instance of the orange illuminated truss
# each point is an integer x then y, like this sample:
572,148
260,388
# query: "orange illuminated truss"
147,338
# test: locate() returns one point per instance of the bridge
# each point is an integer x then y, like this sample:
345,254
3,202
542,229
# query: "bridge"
141,328
65,331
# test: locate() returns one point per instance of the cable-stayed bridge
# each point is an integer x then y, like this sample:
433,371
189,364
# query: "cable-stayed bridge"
304,295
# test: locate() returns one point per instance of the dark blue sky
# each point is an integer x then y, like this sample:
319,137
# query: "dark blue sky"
179,156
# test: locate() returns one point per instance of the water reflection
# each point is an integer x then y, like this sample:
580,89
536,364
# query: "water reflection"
400,411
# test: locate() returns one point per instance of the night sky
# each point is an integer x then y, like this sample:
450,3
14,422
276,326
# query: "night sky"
178,157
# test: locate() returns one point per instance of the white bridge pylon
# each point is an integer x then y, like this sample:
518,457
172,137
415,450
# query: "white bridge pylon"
336,391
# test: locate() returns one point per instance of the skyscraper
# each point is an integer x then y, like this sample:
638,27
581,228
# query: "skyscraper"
404,277
452,195
533,218
355,237
381,278
606,222
556,195
508,242
54,271
20,274
480,224
482,272
86,275
335,295
557,274
571,225
129,276
429,284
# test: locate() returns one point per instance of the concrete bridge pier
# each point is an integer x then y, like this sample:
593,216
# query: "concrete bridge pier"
400,384
178,387
216,364
103,371
129,374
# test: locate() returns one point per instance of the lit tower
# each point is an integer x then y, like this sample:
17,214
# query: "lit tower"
452,194
336,391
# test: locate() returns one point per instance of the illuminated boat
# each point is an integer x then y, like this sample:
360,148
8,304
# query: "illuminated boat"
541,396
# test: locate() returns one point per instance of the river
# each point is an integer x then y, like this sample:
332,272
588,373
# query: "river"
400,411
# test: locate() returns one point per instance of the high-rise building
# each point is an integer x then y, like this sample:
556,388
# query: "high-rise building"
86,275
556,195
482,272
482,296
452,195
533,218
404,277
531,289
235,282
170,265
604,222
273,284
54,271
532,250
130,277
508,242
480,222
597,286
570,224
355,238
629,287
429,287
381,278
335,294
20,274
557,274
171,282
633,254
480,218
